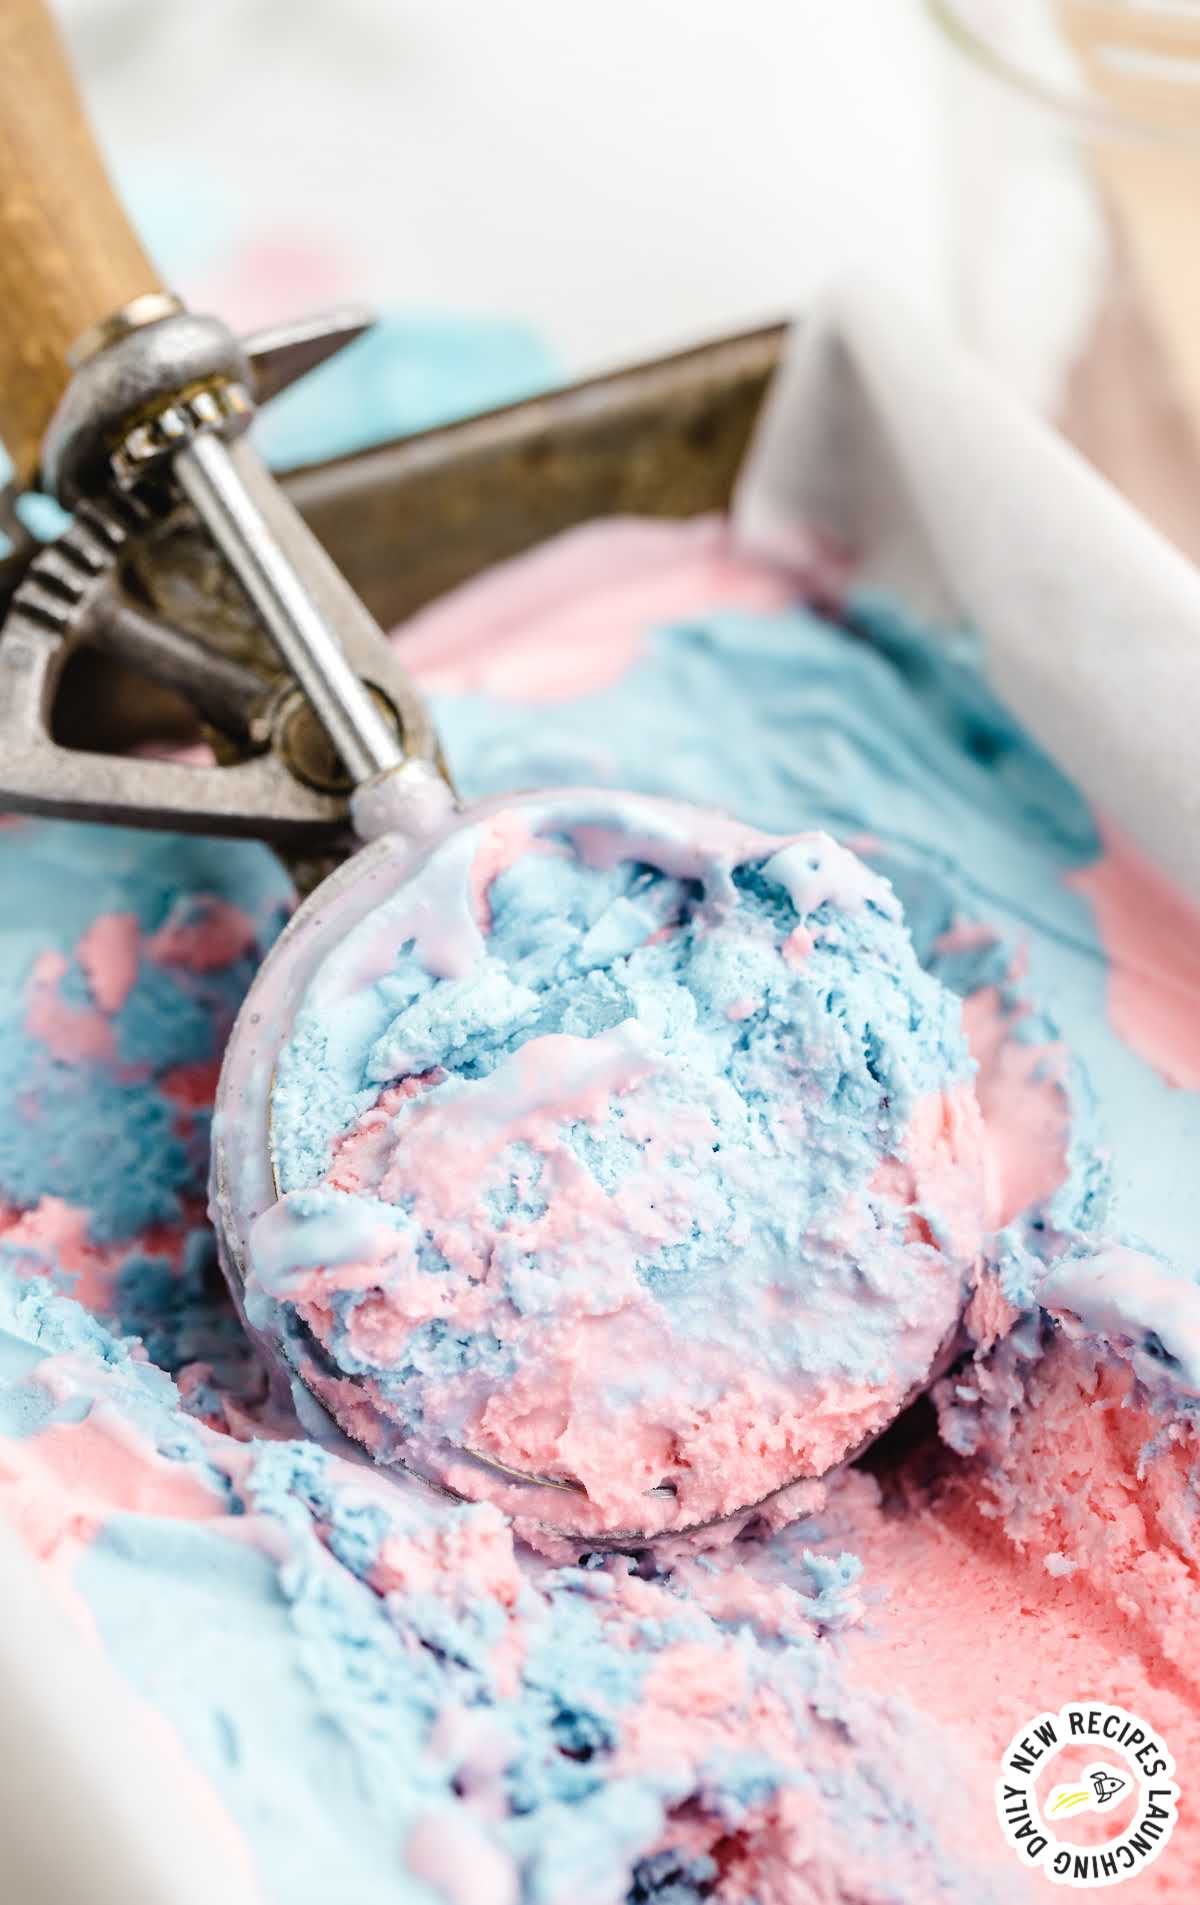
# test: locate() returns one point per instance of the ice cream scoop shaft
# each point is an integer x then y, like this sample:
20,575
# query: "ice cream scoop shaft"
301,597
68,255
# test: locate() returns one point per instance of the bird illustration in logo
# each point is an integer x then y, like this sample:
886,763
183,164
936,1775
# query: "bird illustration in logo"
1097,1788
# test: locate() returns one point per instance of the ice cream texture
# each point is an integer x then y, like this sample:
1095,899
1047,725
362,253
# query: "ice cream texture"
388,1693
627,1148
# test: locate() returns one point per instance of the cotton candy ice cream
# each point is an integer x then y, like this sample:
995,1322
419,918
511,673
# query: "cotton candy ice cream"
387,1695
123,959
625,1148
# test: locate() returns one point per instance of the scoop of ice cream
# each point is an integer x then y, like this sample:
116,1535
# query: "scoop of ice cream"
626,1148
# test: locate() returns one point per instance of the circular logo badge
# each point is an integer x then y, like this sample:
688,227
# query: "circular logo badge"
1117,1776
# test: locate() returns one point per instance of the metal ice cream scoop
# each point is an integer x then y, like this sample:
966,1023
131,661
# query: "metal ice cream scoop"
126,407
119,403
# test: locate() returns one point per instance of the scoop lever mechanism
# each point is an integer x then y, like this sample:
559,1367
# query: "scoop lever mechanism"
157,409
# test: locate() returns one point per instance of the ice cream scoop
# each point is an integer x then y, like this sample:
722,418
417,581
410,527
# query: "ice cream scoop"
603,1157
599,1155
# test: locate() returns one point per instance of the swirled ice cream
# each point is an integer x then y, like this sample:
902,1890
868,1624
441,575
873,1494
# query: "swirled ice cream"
624,1148
386,1694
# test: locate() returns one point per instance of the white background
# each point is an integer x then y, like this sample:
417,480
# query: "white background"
623,173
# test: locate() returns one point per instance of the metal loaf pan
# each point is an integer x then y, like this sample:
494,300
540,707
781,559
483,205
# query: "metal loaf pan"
412,518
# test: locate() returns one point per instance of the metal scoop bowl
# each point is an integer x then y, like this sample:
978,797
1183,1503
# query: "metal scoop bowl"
246,1185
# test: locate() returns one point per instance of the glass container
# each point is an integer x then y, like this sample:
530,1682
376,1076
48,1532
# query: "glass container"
1073,169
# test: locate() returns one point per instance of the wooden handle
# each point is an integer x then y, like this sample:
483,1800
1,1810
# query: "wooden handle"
68,255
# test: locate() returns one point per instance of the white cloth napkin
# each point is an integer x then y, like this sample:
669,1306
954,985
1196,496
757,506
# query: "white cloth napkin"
884,436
